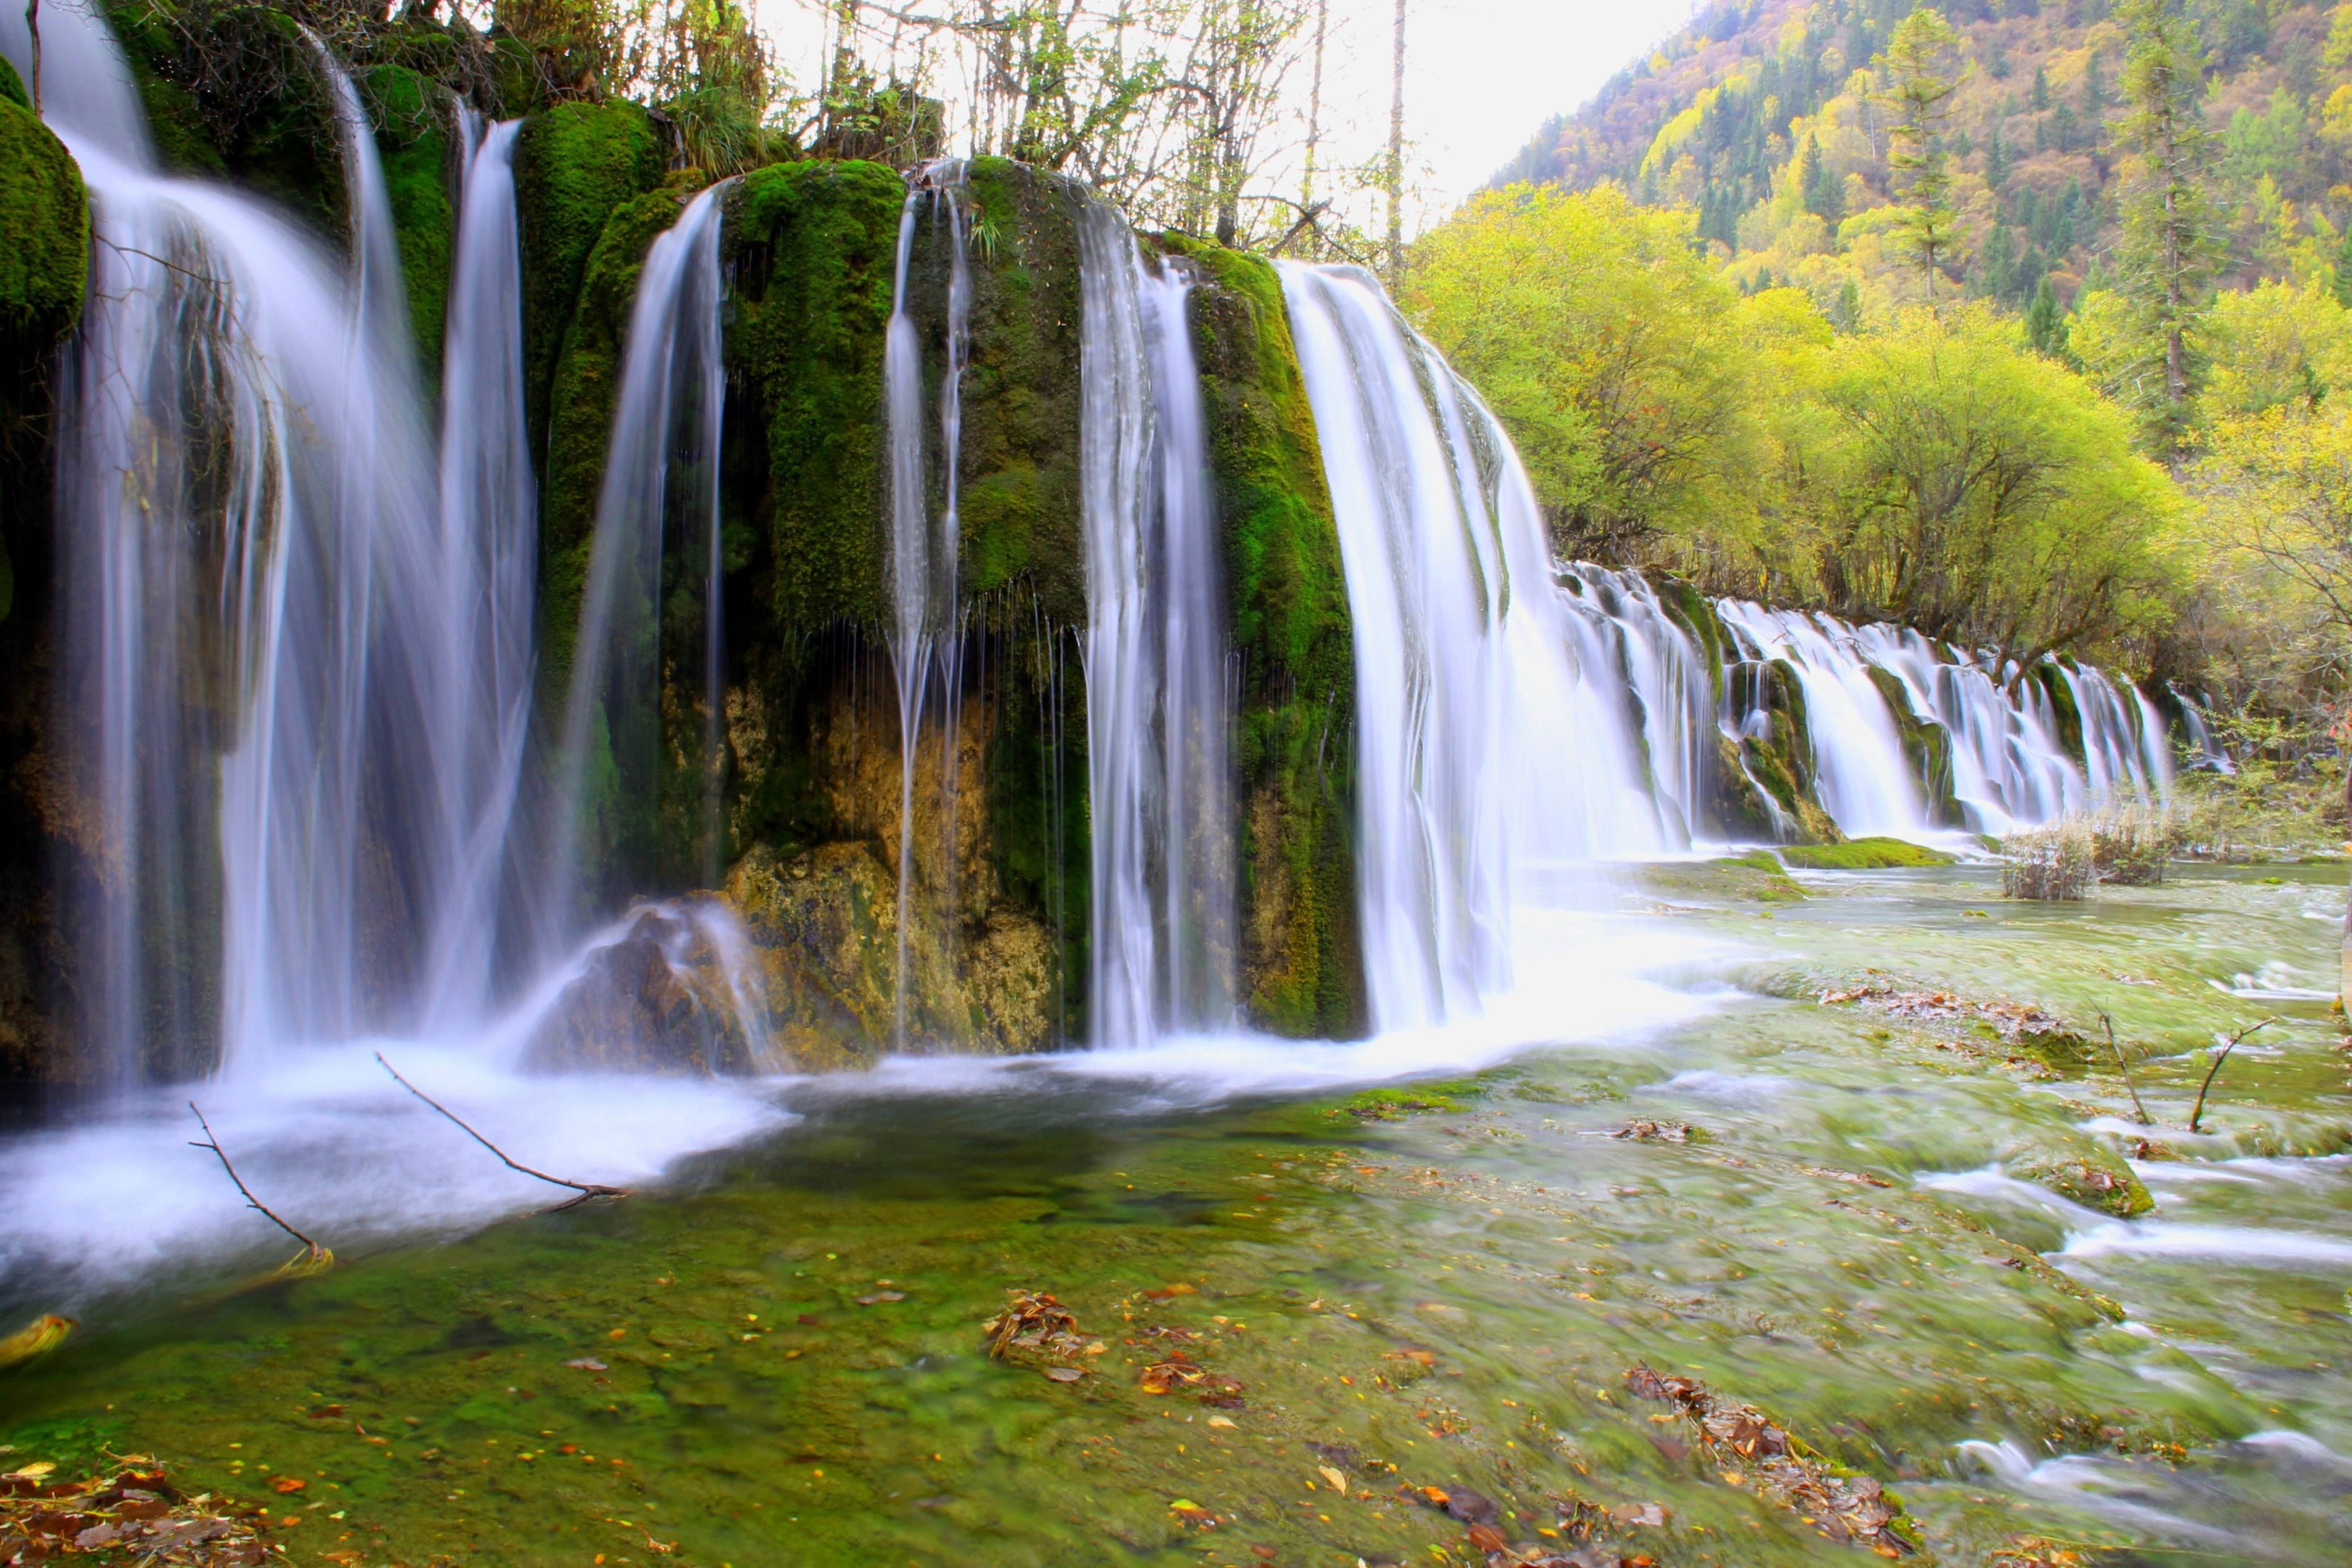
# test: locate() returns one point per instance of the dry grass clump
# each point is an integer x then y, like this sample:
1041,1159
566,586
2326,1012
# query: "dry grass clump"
2049,863
2126,844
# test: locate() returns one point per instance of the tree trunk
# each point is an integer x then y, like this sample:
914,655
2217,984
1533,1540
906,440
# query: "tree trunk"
1396,157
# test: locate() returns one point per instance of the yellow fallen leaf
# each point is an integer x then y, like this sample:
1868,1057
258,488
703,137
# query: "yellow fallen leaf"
43,1335
32,1472
1219,1421
1339,1482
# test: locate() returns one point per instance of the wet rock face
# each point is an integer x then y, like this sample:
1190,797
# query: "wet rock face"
667,996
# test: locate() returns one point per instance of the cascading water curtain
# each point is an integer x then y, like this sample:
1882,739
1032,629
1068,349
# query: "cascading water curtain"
661,483
1159,708
488,549
926,546
246,496
1496,750
2012,765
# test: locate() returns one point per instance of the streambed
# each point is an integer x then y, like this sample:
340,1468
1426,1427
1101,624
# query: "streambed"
1442,1282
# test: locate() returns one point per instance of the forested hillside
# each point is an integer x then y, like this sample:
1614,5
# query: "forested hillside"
1768,119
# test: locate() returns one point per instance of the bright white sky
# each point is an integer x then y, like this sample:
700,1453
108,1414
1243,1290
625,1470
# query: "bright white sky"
1480,75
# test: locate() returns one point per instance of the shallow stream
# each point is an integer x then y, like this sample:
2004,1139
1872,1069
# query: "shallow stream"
775,1353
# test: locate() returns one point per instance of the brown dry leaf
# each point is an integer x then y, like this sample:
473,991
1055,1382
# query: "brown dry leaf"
41,1336
1163,1293
1066,1374
880,1296
284,1485
1487,1538
588,1364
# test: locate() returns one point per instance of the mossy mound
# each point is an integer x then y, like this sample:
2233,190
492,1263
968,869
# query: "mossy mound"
12,86
811,247
574,165
1301,968
45,213
1754,877
238,92
1863,855
2080,1170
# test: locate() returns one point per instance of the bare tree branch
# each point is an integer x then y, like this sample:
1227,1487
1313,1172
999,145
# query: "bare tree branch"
587,1189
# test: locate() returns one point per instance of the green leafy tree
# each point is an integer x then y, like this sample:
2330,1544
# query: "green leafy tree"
2167,253
1923,70
1608,348
2342,271
1938,473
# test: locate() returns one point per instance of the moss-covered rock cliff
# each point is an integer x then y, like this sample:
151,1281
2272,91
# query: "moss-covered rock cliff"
1302,972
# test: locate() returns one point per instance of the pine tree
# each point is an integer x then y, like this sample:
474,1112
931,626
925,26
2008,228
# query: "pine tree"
2044,327
2040,89
1997,159
1922,70
1996,264
2167,255
2342,270
1818,185
1847,317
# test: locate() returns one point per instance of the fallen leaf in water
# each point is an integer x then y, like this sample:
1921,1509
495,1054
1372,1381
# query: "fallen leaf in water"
880,1296
285,1484
1339,1482
1221,1421
326,1412
588,1364
41,1336
1163,1293
1649,1513
1487,1538
32,1472
1066,1374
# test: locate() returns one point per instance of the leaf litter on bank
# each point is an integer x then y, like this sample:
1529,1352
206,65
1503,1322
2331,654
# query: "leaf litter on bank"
129,1507
1748,1445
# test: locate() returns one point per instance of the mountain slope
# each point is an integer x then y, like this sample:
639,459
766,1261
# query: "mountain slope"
1760,115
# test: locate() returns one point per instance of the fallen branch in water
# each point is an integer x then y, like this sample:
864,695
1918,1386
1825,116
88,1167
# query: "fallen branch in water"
2198,1110
2124,1067
313,1256
587,1189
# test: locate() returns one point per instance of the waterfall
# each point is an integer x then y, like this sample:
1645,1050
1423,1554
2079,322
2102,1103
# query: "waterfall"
925,552
1158,713
1495,748
2010,765
487,555
252,602
661,480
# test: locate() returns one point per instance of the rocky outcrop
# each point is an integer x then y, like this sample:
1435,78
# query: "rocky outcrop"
673,992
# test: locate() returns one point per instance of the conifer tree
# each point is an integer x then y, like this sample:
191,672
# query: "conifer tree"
2342,282
2044,327
1923,69
1817,186
2167,252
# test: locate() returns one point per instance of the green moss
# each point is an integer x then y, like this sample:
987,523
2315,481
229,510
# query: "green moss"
1862,854
1019,446
45,213
2080,1169
574,165
1755,877
2052,680
12,86
1302,968
812,248
418,162
1927,746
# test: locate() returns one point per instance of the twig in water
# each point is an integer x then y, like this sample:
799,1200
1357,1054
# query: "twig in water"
2124,1067
313,1256
587,1189
2198,1110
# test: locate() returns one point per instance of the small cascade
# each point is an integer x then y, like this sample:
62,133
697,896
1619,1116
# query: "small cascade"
661,484
2010,762
1620,625
2211,756
487,555
926,546
1865,782
1496,748
1159,711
